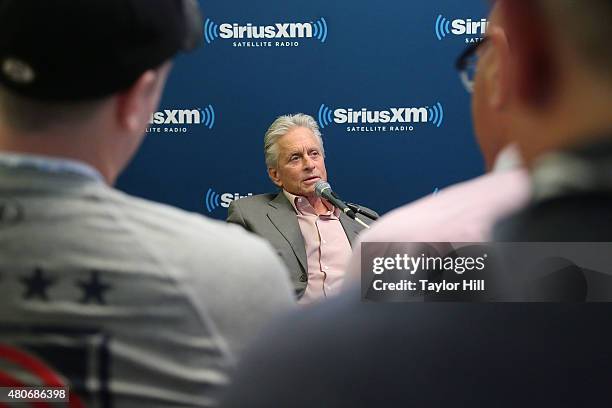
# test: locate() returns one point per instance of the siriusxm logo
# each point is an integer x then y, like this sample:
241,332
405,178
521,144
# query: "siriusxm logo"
198,116
181,120
393,119
444,27
214,200
281,33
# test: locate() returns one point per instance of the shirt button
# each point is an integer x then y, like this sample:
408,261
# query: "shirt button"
324,241
325,268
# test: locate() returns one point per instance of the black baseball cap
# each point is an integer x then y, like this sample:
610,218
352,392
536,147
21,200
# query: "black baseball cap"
72,50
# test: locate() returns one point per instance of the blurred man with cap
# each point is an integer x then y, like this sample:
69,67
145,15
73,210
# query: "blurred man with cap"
127,302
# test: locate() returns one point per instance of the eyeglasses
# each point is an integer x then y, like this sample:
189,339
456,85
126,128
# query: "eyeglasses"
466,65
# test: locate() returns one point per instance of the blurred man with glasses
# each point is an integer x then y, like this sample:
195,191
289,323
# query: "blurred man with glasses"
557,88
465,212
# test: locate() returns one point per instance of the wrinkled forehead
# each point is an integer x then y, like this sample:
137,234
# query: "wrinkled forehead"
298,140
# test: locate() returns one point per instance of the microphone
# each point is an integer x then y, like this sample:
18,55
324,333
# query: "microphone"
358,209
323,190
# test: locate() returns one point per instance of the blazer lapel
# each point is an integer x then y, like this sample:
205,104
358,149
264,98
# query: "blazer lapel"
283,217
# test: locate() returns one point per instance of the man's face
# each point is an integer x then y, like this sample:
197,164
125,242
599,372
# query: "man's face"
300,162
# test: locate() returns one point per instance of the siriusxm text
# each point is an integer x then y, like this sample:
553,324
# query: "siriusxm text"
227,198
392,115
469,27
278,30
176,117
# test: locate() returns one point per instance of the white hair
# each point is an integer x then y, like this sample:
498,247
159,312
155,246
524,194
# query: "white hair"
283,125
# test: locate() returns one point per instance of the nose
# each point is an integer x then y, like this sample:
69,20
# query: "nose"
308,162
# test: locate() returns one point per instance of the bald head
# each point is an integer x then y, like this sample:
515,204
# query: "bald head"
558,74
585,24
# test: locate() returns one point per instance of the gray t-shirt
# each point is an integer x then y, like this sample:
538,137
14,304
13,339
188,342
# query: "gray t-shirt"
128,302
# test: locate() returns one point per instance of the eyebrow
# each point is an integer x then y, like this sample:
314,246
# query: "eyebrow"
299,151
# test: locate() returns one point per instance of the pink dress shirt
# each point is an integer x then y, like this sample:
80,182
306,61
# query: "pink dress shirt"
465,212
327,248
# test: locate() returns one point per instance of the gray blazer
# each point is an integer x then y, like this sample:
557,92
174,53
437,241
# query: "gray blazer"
272,217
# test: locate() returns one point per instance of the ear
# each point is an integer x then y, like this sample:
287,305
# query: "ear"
532,51
273,174
497,74
137,103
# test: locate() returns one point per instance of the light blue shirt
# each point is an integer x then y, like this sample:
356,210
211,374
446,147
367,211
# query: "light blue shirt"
49,164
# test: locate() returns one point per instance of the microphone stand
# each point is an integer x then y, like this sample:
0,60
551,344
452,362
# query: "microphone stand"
356,210
359,210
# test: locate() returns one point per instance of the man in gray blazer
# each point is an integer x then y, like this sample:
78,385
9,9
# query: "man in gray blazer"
312,237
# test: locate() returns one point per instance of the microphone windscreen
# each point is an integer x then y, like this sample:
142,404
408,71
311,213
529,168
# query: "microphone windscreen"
321,186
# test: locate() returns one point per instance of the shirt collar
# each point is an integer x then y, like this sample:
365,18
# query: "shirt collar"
49,164
573,171
302,206
509,158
